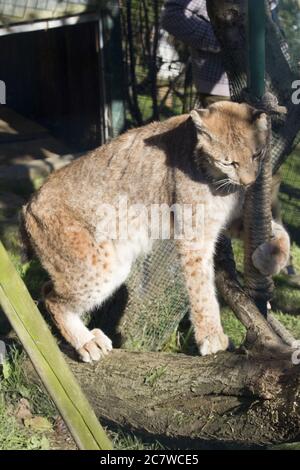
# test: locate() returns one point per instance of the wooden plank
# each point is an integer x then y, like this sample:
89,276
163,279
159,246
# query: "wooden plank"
47,359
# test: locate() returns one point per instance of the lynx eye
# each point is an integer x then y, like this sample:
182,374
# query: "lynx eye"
234,164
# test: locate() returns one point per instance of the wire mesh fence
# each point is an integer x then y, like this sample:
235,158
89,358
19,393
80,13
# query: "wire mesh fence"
146,311
159,84
157,67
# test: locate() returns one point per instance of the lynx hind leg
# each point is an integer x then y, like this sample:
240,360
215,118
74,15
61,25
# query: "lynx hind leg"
82,287
83,273
205,312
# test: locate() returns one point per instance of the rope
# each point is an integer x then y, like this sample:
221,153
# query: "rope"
267,103
257,218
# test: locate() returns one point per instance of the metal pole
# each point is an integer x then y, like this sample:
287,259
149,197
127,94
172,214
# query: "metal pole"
257,218
256,47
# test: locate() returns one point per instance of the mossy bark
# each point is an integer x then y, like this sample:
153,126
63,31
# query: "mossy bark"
224,400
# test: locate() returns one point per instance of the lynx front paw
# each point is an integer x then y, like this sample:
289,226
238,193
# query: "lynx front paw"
271,257
213,343
95,349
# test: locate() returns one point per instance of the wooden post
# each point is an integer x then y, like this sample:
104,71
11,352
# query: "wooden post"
47,359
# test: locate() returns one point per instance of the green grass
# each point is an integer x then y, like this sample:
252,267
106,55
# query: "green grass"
123,441
13,436
290,194
286,295
286,301
14,386
232,327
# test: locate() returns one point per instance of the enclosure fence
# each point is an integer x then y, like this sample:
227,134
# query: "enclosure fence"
159,84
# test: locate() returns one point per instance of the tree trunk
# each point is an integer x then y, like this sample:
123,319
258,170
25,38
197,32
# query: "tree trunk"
231,399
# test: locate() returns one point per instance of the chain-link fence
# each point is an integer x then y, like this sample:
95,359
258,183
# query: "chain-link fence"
157,67
160,84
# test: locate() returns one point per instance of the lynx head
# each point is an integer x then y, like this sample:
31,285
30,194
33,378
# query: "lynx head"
231,142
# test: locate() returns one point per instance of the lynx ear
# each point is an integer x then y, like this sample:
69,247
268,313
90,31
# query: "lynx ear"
197,116
260,119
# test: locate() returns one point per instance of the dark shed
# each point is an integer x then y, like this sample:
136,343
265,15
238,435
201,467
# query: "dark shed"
57,69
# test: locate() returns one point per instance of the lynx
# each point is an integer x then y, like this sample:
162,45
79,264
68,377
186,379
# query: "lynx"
208,157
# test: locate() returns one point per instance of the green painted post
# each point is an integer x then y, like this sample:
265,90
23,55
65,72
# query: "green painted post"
256,47
47,359
257,220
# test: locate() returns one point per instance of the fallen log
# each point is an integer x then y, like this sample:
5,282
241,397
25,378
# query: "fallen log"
225,400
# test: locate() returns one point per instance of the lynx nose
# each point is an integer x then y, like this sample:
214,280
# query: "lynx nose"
247,179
